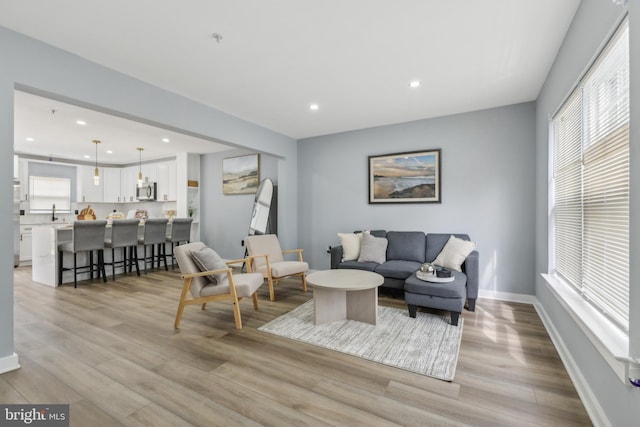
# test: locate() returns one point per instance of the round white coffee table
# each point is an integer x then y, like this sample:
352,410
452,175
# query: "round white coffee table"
345,294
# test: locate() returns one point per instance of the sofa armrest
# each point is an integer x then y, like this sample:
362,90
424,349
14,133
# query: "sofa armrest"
336,256
472,269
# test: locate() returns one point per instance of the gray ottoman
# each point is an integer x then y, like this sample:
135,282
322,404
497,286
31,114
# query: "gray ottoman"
448,296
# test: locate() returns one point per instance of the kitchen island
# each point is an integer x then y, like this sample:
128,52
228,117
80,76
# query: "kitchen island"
45,240
44,262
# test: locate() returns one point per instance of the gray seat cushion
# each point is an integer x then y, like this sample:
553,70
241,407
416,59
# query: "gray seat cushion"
398,269
455,289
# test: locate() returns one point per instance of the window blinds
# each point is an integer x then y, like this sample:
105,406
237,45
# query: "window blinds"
590,215
49,191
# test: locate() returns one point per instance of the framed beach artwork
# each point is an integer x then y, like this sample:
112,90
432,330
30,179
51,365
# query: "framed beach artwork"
405,177
241,175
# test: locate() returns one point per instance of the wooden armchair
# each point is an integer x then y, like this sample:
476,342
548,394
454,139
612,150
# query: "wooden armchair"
213,284
268,259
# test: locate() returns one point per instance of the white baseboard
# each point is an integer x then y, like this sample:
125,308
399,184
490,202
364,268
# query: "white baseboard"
9,363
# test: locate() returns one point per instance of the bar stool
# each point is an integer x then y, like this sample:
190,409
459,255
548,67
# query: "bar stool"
180,232
155,232
88,236
124,234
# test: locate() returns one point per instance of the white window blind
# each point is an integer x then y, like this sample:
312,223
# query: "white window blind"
590,186
49,191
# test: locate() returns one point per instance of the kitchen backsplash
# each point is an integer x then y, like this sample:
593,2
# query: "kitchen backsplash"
101,210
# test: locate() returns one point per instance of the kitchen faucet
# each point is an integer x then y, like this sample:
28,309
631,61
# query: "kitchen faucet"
53,213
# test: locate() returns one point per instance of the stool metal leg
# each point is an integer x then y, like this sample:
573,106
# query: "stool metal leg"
101,265
75,270
60,268
133,256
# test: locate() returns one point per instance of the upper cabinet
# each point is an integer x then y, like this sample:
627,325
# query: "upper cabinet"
166,179
23,175
112,192
86,190
128,182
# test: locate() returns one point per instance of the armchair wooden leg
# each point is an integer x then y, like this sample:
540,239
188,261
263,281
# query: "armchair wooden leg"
304,282
236,314
204,306
176,324
255,300
272,295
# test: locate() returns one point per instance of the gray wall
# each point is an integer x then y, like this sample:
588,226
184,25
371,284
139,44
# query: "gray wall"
488,186
594,20
227,217
37,67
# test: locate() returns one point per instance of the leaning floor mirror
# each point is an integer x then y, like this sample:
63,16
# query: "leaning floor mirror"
263,219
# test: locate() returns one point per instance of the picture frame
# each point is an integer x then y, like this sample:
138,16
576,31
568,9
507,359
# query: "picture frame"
241,174
410,177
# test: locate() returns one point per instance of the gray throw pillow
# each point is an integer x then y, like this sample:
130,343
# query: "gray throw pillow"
373,249
207,259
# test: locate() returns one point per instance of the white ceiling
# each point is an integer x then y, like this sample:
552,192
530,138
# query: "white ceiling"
48,128
353,58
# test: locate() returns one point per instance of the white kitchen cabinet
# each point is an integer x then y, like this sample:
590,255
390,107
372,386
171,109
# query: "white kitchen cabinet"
87,192
23,175
112,188
149,172
130,182
25,244
167,181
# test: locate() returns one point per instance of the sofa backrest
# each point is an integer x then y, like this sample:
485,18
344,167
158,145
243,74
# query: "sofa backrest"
375,233
436,241
406,246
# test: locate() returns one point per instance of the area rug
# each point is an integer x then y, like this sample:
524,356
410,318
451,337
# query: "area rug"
427,345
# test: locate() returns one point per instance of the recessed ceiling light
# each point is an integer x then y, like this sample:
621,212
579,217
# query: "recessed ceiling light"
109,152
86,156
415,83
30,139
314,107
165,139
81,122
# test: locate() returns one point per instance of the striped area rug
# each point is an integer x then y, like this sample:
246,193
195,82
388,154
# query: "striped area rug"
427,345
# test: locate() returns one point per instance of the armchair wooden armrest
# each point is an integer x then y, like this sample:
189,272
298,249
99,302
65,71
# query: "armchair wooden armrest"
207,273
293,251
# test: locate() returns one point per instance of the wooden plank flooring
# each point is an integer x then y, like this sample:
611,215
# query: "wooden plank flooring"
110,351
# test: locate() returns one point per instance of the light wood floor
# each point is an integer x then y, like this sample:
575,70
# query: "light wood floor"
110,351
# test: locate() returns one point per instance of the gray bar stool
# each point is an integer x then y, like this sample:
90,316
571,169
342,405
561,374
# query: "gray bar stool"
124,234
180,232
88,236
155,232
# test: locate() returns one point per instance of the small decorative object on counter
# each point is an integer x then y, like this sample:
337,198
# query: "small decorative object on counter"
115,215
141,214
87,214
170,214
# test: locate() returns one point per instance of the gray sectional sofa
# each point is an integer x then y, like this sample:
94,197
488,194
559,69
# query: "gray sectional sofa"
406,251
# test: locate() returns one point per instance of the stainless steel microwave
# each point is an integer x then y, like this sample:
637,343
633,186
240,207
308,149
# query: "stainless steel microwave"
147,191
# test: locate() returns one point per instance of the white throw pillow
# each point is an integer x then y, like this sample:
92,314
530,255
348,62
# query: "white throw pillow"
207,259
454,253
373,249
351,243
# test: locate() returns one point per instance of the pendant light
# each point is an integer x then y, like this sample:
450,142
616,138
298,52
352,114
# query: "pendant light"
96,173
140,149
